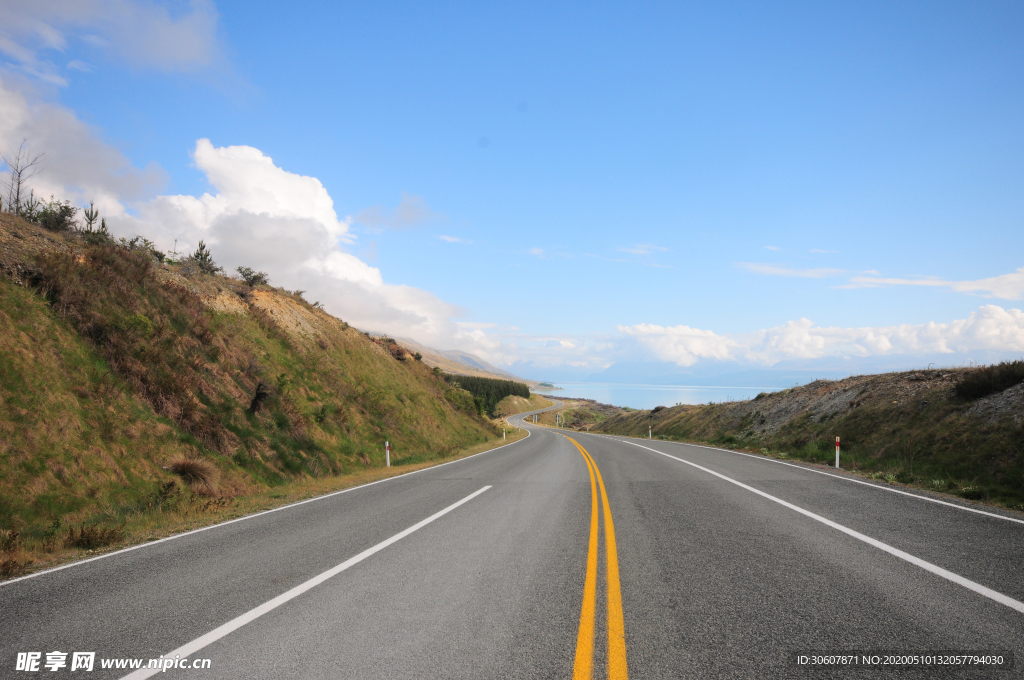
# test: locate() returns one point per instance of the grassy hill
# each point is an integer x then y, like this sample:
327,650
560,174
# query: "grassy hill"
128,387
954,430
513,404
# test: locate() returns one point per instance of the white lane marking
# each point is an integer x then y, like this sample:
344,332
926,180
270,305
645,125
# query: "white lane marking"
927,566
878,487
190,648
258,514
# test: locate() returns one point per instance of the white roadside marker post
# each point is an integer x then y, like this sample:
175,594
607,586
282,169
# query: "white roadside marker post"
649,435
502,434
387,453
837,453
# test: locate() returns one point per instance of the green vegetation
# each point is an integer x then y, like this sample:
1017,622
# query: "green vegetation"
124,396
56,216
202,260
487,392
990,379
253,278
908,428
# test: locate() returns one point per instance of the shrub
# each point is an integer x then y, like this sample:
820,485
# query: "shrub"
325,412
199,474
12,567
92,537
263,392
138,244
972,493
98,237
982,382
57,216
10,541
253,278
137,325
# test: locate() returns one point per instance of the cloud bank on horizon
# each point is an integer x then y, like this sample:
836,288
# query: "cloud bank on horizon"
991,328
260,215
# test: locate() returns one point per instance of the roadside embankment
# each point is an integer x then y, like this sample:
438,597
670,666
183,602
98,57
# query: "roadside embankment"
910,428
139,395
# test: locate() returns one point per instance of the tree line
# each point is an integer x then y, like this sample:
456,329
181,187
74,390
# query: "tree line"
487,392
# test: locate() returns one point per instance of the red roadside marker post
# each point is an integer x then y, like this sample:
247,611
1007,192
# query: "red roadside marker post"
387,453
837,453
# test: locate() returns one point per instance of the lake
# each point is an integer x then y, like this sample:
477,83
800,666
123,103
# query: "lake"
649,396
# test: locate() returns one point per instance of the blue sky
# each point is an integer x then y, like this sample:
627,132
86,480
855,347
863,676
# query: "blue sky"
559,189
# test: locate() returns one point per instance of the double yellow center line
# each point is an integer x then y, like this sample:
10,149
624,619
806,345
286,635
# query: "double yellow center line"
583,668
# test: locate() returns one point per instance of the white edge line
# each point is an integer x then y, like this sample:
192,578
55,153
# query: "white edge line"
879,487
252,516
927,566
234,624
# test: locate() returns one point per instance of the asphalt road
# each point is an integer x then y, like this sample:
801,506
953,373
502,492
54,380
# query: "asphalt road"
490,567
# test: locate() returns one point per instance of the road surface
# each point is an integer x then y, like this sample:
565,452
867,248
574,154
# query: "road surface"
561,555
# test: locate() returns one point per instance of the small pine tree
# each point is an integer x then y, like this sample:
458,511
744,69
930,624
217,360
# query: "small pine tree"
91,215
203,260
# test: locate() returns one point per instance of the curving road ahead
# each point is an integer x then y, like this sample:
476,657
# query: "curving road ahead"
561,555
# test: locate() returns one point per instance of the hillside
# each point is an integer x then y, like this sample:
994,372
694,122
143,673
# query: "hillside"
908,427
580,414
126,383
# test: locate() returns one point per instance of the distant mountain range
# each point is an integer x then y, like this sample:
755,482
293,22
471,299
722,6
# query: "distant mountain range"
459,362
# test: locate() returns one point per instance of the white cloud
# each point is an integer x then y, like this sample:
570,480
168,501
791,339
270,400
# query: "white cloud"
141,33
256,215
775,248
1006,286
411,211
643,249
539,252
76,164
267,218
989,328
774,270
452,239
